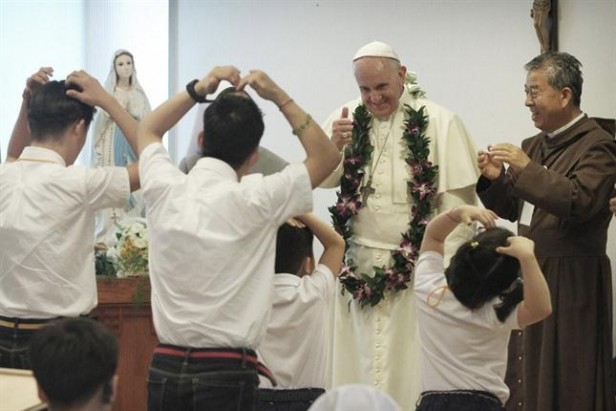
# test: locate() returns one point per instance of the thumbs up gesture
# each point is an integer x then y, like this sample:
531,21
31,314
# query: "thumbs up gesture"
342,129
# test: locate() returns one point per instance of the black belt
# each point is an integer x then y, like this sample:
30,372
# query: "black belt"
26,324
475,393
243,354
290,395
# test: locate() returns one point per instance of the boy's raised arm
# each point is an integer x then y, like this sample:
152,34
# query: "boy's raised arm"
333,243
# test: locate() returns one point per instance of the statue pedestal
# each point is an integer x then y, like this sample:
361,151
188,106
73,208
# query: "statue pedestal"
124,307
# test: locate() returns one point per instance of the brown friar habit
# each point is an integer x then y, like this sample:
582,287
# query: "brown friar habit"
564,362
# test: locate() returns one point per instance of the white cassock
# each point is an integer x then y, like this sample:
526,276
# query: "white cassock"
380,345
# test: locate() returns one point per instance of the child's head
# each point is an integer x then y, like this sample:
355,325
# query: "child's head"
477,273
51,112
232,127
293,250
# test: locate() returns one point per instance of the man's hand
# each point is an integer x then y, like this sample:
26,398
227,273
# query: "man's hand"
342,129
92,93
264,86
489,167
209,84
36,80
510,154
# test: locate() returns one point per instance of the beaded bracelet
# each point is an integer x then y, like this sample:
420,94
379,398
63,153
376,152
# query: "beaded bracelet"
300,130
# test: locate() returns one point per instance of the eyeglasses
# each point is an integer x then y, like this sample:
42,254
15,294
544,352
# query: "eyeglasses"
532,93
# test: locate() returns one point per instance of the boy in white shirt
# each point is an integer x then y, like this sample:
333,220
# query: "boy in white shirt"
294,347
212,239
47,207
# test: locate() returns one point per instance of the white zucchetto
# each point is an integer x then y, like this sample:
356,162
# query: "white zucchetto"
376,49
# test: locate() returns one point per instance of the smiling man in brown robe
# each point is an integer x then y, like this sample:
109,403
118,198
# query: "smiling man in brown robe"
557,186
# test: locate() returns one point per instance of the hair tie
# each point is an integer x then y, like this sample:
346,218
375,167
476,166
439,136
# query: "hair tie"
474,244
443,289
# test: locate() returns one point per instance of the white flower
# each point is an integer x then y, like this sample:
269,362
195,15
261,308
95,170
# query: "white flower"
130,251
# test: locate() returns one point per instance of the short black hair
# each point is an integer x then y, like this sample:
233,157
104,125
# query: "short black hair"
72,358
232,127
293,245
51,111
478,274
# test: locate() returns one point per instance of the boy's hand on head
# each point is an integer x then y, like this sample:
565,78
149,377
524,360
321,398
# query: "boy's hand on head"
209,84
294,222
467,214
92,92
518,247
264,86
35,81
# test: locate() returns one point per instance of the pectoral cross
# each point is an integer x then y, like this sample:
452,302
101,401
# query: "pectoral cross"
366,191
114,216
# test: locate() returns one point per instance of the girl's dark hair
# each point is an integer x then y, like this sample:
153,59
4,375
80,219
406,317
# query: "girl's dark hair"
477,273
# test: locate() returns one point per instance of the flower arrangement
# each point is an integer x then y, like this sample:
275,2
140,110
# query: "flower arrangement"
129,254
421,188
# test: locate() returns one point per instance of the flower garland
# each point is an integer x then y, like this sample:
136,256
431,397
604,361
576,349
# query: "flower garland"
421,187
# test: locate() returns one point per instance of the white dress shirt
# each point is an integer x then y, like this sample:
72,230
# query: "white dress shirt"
295,344
462,349
212,246
47,233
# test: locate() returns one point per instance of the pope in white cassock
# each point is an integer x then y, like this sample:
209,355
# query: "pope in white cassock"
382,205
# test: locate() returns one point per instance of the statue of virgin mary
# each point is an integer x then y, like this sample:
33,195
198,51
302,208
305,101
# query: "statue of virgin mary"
110,147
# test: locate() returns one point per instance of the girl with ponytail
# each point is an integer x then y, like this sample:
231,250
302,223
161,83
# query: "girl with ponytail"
467,311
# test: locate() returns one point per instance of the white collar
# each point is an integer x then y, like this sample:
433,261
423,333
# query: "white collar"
41,154
566,126
217,166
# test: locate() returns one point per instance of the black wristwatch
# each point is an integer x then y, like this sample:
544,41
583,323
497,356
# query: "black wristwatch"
190,88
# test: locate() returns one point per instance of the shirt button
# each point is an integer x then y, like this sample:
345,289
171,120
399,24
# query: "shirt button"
520,381
520,358
377,207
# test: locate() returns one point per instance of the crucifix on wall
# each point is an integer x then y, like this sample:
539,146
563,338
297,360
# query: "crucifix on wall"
545,18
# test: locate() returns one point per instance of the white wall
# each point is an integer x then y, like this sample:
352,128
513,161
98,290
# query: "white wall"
79,34
34,35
